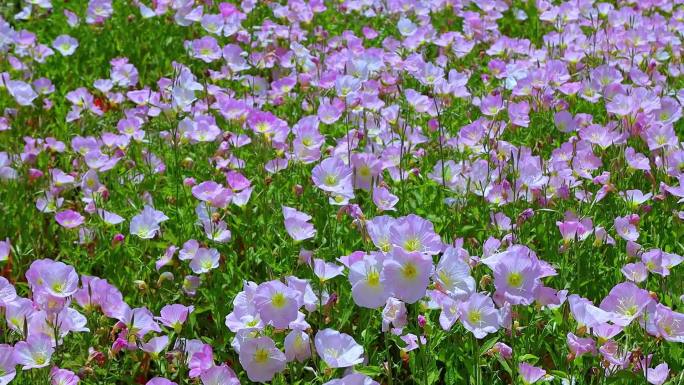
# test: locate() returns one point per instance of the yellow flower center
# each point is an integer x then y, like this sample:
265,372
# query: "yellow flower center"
261,356
409,271
330,180
474,316
515,279
278,300
412,244
373,278
57,287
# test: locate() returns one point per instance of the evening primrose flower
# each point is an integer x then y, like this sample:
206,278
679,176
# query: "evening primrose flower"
626,229
266,124
530,374
261,359
245,313
55,278
69,219
635,272
369,287
367,167
490,105
5,249
297,224
333,176
160,381
326,270
217,231
174,316
453,273
585,313
63,377
394,313
138,321
213,193
634,198
666,323
7,364
277,303
307,297
65,44
579,346
384,200
626,301
35,352
219,375
155,346
200,361
7,292
297,346
205,260
18,312
517,278
379,231
449,306
408,274
413,233
338,350
353,379
146,224
658,375
189,250
22,92
479,316
205,49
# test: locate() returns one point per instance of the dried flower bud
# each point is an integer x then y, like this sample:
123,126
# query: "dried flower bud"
140,284
187,163
485,281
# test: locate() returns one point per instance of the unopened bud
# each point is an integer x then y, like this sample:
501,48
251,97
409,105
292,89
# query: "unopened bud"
485,281
118,239
165,276
187,163
140,284
189,182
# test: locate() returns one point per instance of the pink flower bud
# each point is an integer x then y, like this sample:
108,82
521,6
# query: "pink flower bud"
118,238
422,320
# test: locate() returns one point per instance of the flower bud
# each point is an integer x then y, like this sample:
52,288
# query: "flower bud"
298,190
117,239
187,163
34,174
165,276
485,281
140,284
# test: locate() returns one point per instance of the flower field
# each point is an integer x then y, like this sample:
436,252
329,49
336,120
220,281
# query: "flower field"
341,192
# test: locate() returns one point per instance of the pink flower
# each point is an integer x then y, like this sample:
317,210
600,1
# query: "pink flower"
219,375
277,304
530,374
261,359
407,274
625,229
69,219
338,350
479,316
35,352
